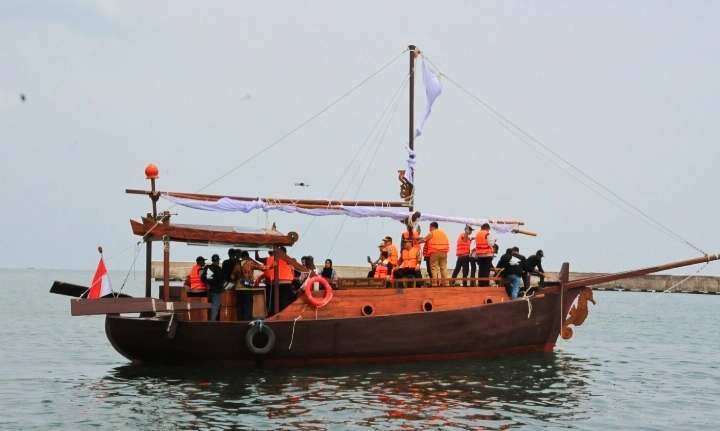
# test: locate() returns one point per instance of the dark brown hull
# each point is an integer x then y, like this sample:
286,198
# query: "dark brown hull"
480,331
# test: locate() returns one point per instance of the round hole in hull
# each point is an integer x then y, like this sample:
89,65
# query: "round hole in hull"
488,300
427,305
367,310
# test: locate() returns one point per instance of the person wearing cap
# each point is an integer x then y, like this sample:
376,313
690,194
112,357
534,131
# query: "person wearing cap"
462,251
383,269
373,263
196,286
211,275
391,249
438,247
533,266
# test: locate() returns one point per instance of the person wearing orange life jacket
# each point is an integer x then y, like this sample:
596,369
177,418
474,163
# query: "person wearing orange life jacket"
391,249
462,251
484,253
196,286
267,273
383,268
286,275
439,245
410,260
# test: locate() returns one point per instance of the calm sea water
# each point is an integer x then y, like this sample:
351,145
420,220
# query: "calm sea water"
641,361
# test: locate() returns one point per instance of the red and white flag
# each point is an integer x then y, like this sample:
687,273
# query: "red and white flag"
100,285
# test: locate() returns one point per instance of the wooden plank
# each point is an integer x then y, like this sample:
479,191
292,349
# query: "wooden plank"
86,307
350,302
69,289
198,235
322,202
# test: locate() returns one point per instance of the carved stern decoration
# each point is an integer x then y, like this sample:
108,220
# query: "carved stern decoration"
578,313
406,187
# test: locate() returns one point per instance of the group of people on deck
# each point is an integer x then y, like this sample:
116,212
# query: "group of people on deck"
238,272
475,261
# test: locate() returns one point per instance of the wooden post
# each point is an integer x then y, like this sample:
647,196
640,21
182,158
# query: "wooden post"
564,277
276,281
148,266
153,197
148,241
411,128
166,268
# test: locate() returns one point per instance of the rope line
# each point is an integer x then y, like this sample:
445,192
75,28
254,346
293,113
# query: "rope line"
358,152
305,122
527,137
381,137
281,138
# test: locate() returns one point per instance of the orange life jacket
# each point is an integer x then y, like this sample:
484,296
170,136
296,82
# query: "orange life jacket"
415,236
482,246
392,254
410,257
463,245
381,270
438,242
426,250
196,282
269,271
285,271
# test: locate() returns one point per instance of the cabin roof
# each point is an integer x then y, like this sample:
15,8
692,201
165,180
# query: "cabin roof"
211,234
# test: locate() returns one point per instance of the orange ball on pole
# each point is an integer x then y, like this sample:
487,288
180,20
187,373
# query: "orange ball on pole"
151,171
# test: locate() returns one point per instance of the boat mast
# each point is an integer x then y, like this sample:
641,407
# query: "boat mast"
411,130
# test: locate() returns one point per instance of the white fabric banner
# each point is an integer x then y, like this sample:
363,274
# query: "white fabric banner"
432,91
399,214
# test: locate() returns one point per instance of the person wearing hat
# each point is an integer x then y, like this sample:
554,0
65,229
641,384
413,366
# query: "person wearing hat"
533,266
391,249
462,251
373,263
196,286
212,276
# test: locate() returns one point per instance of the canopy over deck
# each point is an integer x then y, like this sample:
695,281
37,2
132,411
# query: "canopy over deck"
207,234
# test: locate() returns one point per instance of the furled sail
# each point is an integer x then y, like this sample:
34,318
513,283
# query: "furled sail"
226,204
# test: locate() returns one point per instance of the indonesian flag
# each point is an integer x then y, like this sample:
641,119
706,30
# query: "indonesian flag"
100,285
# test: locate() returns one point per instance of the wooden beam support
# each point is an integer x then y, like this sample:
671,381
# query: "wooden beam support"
321,202
86,307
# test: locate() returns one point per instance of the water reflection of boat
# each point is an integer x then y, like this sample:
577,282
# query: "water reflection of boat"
357,323
535,389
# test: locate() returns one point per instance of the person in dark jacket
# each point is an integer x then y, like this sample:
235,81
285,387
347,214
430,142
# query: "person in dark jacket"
533,266
229,264
511,263
212,276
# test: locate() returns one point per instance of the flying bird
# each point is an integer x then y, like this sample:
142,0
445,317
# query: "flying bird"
301,184
22,97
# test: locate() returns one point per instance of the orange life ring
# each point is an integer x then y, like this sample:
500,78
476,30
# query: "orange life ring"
262,277
318,302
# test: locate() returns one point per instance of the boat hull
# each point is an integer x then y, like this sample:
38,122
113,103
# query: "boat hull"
488,330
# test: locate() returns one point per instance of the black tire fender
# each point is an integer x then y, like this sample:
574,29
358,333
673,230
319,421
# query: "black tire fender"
250,339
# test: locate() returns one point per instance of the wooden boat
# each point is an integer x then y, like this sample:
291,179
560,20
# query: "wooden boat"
365,321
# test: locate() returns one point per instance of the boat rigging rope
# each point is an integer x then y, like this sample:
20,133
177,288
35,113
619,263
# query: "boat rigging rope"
380,140
364,144
292,334
304,123
529,139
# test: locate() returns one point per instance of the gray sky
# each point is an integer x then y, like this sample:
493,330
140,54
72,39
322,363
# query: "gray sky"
628,91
